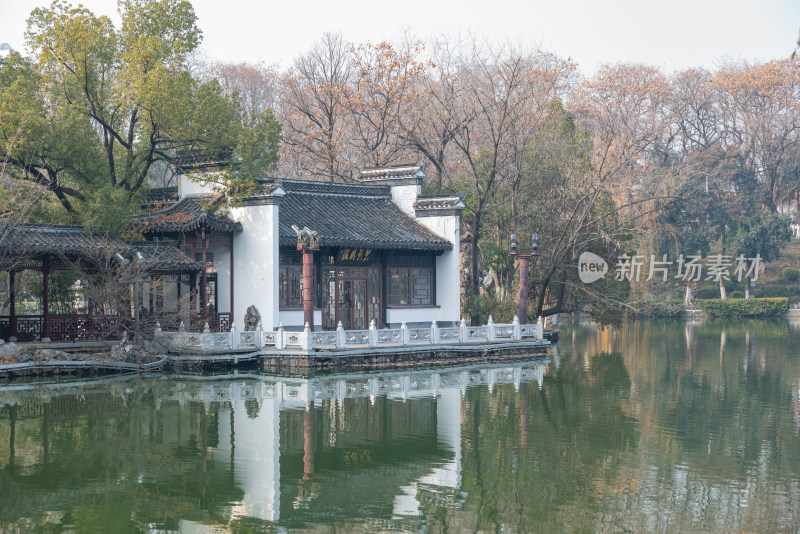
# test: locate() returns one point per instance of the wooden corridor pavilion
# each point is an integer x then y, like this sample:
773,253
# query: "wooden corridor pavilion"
51,248
195,228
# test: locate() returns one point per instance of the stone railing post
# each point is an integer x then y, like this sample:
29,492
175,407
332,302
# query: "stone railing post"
490,329
517,330
464,334
404,333
180,337
306,343
373,335
259,336
234,340
280,341
434,333
208,339
539,329
341,336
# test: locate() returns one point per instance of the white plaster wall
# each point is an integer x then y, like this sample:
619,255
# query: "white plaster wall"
448,276
405,196
222,264
187,186
256,263
395,316
293,319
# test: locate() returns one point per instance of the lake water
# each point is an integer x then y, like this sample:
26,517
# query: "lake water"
650,427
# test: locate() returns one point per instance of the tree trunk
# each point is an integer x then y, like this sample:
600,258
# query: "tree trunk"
749,286
475,267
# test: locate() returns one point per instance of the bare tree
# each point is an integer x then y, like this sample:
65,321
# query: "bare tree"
385,89
257,85
694,109
761,121
314,112
428,127
504,96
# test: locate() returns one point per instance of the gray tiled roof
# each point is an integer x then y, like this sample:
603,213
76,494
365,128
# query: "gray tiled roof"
37,241
186,215
56,239
194,160
352,215
165,255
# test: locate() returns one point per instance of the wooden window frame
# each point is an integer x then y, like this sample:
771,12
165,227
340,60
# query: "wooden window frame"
411,293
289,277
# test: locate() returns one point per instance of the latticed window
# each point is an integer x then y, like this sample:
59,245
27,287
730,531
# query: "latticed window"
291,286
209,259
410,286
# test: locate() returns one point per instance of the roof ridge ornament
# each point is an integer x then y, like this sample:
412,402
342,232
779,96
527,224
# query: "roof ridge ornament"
395,174
307,239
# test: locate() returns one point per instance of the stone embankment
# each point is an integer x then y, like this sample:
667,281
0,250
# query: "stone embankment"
125,356
146,355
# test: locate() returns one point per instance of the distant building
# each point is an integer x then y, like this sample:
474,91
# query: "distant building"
5,50
789,207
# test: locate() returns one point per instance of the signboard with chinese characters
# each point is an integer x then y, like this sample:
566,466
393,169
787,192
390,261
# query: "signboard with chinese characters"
354,255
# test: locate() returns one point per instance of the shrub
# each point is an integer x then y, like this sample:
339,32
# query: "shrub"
743,307
791,274
738,294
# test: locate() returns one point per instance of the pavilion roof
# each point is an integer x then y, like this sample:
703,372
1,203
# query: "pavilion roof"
188,214
25,242
165,256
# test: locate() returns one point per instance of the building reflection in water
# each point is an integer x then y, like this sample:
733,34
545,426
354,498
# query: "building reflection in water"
270,448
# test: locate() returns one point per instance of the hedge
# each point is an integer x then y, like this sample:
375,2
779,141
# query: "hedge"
744,307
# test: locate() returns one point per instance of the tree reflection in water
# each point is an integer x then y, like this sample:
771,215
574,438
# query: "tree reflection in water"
653,426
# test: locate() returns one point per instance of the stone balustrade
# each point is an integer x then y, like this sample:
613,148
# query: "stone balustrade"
341,339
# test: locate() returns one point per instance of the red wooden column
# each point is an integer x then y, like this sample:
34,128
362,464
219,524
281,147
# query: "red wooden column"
308,287
203,296
308,244
192,297
524,264
46,297
12,304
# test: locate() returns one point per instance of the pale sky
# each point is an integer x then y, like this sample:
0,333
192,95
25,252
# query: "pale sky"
672,34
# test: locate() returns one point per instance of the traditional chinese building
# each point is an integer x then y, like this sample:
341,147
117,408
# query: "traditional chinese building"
154,272
386,254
